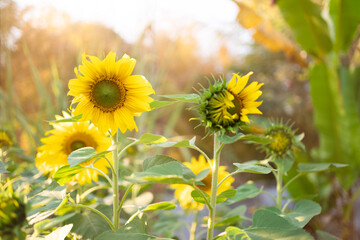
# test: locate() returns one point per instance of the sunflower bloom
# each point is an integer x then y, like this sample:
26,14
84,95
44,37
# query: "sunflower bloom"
66,137
183,192
224,107
108,95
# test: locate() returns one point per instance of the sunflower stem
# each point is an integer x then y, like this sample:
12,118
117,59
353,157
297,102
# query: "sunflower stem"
279,188
194,226
123,199
115,184
214,183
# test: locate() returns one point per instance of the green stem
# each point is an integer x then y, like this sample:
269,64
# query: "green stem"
102,173
115,185
123,199
194,226
87,192
350,205
98,212
290,181
214,183
279,189
271,196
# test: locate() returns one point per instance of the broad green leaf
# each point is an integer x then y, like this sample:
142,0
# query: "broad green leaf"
149,138
222,197
198,197
326,99
159,104
304,210
65,173
256,139
227,139
159,206
284,163
70,119
110,235
167,224
157,160
193,98
2,168
252,167
50,223
269,225
245,191
184,143
201,175
234,216
326,236
318,167
309,28
164,169
89,224
346,19
60,233
84,154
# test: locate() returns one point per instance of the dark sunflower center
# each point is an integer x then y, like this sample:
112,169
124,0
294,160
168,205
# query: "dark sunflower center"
108,95
77,144
207,182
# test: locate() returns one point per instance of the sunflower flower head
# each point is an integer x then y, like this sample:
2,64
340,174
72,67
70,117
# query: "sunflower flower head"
224,107
183,192
66,137
107,94
283,140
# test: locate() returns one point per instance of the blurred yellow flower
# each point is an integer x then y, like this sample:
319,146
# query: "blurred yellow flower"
66,137
5,140
183,192
108,95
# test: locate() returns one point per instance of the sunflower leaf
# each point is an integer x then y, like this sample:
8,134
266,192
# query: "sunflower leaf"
184,143
84,154
159,104
159,206
198,197
318,167
149,138
257,139
70,119
65,173
252,167
201,175
227,139
193,98
222,197
245,191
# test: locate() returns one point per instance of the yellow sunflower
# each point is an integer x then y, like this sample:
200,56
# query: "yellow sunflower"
224,107
108,95
66,137
183,192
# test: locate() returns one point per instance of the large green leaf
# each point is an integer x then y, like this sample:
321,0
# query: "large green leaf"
245,191
193,98
309,28
159,206
252,167
326,98
84,154
89,224
318,167
65,173
149,138
164,169
346,19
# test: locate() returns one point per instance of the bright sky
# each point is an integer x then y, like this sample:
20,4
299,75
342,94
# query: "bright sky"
212,20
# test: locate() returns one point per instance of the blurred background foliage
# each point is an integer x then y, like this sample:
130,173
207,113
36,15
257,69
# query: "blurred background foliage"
310,69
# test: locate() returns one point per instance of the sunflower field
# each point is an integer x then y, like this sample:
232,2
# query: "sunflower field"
251,132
